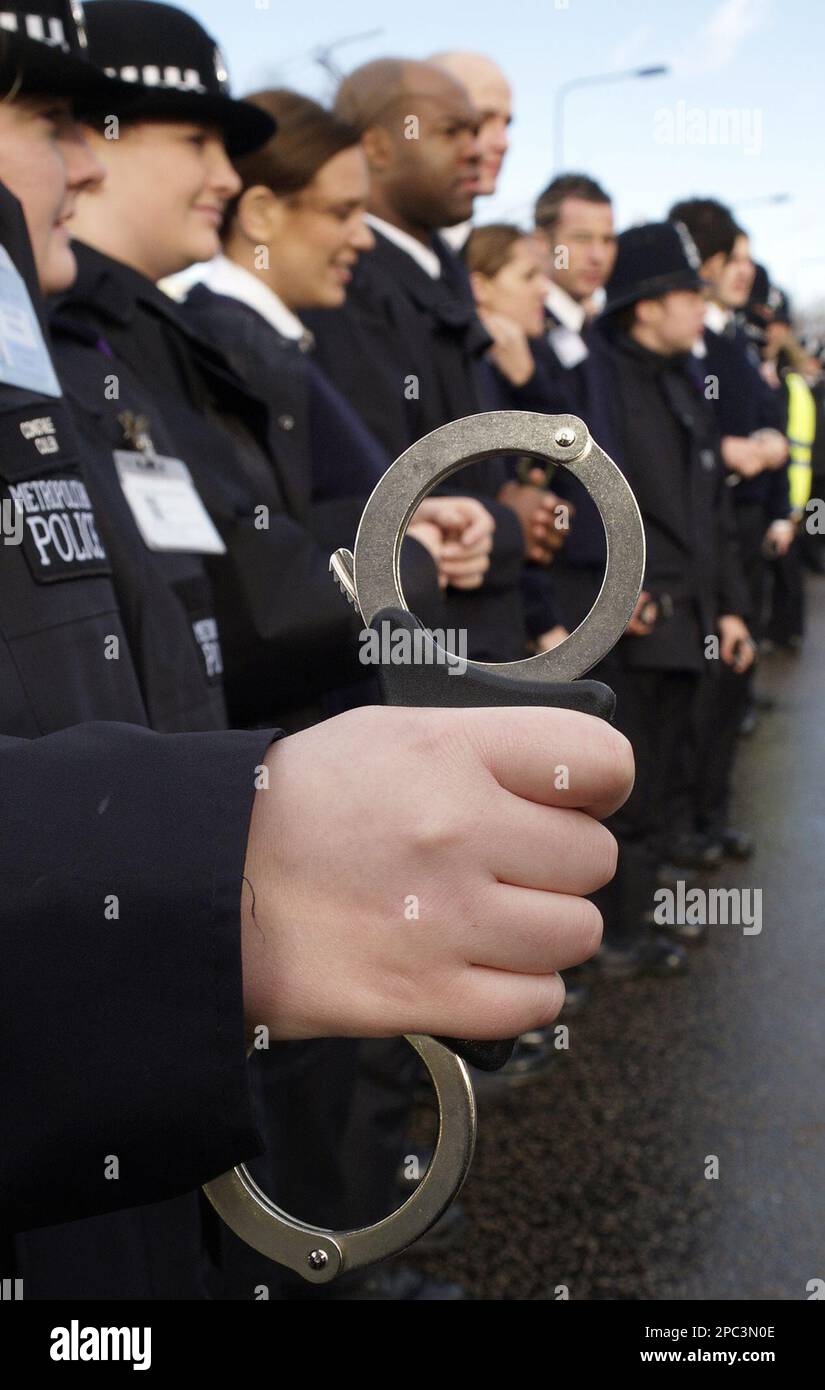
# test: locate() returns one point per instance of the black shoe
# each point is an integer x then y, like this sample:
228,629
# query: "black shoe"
690,933
669,875
736,844
694,852
533,1057
663,958
647,954
400,1284
749,722
534,1054
613,962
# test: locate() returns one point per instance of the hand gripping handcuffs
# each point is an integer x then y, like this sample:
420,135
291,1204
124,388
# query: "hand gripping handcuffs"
371,581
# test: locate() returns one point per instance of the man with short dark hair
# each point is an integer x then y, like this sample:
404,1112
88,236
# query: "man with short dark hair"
574,216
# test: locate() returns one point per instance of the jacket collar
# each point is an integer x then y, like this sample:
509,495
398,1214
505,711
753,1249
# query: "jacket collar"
116,289
226,277
118,293
655,363
423,255
440,298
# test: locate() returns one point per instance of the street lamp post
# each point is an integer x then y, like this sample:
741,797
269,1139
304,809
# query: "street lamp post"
597,79
323,55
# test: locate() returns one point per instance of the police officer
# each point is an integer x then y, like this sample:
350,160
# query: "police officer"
574,217
693,597
280,660
289,241
69,557
405,349
755,451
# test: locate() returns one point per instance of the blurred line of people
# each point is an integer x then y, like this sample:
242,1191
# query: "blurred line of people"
666,339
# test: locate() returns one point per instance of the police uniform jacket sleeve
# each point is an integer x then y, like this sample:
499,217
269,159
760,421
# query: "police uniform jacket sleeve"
732,590
121,1018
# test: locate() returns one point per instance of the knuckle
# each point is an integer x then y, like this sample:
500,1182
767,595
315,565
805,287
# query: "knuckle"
591,927
545,1001
605,857
618,762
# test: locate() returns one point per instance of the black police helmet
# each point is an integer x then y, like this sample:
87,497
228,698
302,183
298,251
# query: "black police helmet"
651,261
44,50
174,68
779,305
767,303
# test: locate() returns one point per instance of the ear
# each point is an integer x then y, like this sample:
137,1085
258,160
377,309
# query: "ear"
259,215
377,146
647,311
481,288
714,265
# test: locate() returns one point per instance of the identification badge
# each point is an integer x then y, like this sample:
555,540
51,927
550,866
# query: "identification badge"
165,504
24,357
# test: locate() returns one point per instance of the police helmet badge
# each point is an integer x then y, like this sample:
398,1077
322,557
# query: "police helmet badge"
79,23
689,246
221,70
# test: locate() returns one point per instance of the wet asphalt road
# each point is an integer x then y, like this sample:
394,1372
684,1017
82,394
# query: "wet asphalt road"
593,1178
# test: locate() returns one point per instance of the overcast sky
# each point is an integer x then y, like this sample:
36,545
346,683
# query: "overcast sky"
739,116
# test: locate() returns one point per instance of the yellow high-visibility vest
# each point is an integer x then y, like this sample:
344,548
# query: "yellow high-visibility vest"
801,431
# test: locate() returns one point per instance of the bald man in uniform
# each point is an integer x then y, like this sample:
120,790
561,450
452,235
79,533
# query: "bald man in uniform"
492,96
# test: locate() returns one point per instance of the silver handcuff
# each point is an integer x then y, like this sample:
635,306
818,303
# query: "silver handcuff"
371,581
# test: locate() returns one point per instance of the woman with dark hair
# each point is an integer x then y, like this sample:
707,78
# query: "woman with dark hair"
290,240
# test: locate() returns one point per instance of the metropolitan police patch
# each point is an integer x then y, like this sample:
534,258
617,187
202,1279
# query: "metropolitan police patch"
60,538
45,496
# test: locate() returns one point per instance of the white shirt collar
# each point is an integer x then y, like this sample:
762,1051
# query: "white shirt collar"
457,237
570,314
223,276
426,258
717,318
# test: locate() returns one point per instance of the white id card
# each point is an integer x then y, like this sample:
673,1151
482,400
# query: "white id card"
24,357
165,504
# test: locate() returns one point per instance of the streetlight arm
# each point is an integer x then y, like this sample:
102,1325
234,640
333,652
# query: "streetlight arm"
593,80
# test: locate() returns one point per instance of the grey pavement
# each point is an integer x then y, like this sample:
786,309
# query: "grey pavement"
593,1178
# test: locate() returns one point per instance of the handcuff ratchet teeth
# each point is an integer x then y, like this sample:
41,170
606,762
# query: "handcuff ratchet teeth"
371,581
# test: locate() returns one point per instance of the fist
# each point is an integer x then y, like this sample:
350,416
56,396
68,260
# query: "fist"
426,870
